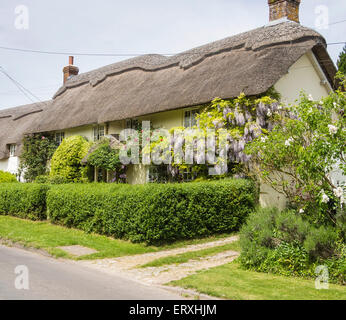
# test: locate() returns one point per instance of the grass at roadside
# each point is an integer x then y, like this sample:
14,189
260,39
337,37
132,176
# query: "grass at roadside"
193,255
229,281
43,235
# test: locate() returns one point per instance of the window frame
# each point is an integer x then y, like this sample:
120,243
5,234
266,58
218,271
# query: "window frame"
192,120
12,150
98,132
59,137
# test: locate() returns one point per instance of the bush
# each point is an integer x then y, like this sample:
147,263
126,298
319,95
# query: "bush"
285,243
51,179
153,213
6,177
66,161
23,200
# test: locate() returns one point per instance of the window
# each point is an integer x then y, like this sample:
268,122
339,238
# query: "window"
12,150
131,124
157,174
99,133
190,118
59,137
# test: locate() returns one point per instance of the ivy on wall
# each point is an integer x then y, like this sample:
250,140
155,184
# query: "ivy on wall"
38,149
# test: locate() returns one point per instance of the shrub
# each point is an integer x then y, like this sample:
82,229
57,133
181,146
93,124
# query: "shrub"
23,200
285,243
66,161
6,177
153,213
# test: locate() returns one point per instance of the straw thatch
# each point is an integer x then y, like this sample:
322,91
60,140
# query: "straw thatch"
14,122
250,62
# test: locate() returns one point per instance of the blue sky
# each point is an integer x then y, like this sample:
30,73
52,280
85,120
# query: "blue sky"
132,26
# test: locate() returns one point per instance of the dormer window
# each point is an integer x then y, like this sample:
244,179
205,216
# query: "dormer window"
12,150
99,132
59,137
190,118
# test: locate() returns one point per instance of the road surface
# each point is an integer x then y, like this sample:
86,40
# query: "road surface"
49,278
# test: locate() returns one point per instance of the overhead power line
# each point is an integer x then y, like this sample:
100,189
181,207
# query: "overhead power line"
27,93
109,54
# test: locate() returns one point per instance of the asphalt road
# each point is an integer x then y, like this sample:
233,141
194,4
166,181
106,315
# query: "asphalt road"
56,279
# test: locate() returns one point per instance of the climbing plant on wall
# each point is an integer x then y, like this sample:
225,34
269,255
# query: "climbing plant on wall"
38,149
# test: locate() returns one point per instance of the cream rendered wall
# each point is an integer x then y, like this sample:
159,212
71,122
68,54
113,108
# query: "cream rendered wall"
85,131
3,164
306,75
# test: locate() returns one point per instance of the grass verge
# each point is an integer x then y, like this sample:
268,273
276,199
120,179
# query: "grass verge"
193,255
229,281
46,236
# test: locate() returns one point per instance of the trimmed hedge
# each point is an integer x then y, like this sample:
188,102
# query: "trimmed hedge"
153,213
23,200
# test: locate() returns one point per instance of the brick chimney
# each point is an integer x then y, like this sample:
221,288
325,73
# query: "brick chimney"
70,70
279,9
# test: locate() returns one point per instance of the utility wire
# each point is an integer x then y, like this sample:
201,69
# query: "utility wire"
113,54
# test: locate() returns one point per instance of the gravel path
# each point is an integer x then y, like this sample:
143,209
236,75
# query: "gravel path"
160,275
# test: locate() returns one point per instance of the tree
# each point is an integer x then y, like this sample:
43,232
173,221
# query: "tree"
297,158
342,61
66,161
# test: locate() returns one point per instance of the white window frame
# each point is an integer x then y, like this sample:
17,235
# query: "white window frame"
59,137
98,132
12,148
192,121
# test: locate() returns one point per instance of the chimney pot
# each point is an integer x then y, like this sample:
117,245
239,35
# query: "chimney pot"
70,70
279,9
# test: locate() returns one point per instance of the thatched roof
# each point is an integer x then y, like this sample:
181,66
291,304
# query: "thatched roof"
250,62
14,122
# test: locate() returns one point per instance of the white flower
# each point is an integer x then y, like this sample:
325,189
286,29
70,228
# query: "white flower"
279,107
269,113
288,142
321,102
332,129
338,192
325,198
264,139
311,98
301,211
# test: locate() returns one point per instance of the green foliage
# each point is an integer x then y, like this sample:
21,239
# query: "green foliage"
66,161
23,200
6,177
51,179
342,61
153,213
298,156
37,151
285,243
105,157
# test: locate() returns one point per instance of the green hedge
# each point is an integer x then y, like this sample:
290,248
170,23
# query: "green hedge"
153,213
23,200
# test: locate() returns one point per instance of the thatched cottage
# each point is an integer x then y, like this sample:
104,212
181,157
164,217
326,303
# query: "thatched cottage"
166,90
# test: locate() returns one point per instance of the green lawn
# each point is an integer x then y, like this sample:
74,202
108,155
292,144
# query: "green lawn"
194,255
43,235
229,281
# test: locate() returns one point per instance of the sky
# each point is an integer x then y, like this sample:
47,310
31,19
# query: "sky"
128,27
